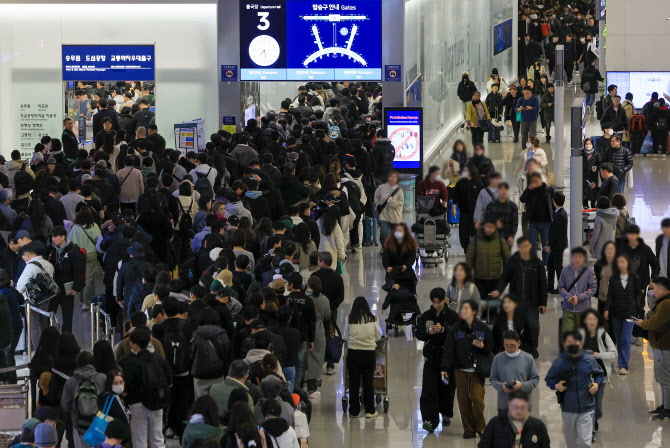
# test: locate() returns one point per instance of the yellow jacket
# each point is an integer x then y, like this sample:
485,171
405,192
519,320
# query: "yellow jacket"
471,114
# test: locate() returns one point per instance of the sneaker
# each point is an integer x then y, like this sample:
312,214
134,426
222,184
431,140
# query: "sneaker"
446,421
655,156
314,395
428,427
85,307
658,410
169,433
354,415
663,415
639,341
368,415
623,371
663,156
469,435
330,371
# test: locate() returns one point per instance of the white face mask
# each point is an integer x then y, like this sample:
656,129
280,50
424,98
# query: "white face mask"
465,173
528,145
398,235
513,355
117,389
610,131
588,147
582,40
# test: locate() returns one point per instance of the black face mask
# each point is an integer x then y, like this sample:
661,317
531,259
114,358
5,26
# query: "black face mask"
572,349
476,101
465,78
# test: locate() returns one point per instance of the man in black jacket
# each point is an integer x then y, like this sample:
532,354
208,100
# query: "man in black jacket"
70,141
502,430
291,338
436,396
558,241
615,117
466,192
304,322
610,184
383,154
524,273
466,90
621,160
69,262
103,113
289,186
538,200
141,118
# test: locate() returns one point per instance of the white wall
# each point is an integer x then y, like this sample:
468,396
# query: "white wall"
185,50
638,35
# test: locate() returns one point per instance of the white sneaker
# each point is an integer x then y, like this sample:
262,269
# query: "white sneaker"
314,395
623,371
330,371
367,415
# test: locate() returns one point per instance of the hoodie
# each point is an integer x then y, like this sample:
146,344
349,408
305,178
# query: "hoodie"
10,169
604,229
237,209
88,373
198,431
204,170
244,154
281,434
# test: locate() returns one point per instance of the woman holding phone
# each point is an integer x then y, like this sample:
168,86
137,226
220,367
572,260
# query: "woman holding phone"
591,166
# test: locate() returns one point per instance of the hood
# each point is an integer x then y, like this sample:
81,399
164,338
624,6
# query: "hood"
87,372
253,194
202,431
608,214
234,207
61,249
209,331
203,169
275,426
353,174
481,234
255,354
13,165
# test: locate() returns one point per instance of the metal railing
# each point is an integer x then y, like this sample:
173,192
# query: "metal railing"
101,320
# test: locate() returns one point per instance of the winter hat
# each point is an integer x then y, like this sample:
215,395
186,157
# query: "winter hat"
45,413
30,424
270,386
45,435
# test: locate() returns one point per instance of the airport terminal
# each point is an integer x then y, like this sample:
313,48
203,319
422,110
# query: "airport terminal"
352,223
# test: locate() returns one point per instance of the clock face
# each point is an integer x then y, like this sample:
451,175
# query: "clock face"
264,50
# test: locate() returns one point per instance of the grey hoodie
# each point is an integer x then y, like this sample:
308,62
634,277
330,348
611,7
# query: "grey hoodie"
237,209
604,229
86,372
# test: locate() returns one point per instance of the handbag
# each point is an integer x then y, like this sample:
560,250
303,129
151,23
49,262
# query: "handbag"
484,124
41,288
518,117
334,344
95,434
340,267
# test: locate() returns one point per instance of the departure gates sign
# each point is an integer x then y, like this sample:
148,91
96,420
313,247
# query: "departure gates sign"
305,40
108,63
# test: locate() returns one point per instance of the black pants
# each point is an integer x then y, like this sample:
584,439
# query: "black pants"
361,364
554,267
569,68
466,229
486,287
436,397
66,303
477,135
516,126
547,128
660,140
181,400
354,237
533,316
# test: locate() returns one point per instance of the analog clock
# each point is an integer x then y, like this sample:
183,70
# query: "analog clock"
264,50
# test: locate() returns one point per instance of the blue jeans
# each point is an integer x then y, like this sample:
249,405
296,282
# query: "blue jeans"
599,400
590,99
300,364
623,331
384,230
622,183
494,134
543,229
289,374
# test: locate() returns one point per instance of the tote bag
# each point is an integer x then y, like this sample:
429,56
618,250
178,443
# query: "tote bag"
95,434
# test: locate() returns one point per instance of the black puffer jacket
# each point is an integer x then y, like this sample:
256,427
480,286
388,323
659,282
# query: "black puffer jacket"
622,302
527,281
383,153
644,259
434,343
621,159
500,433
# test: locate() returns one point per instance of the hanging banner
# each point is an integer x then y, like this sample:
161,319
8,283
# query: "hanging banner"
108,62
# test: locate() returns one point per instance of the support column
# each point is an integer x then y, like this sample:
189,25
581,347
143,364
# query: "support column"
228,53
559,114
577,127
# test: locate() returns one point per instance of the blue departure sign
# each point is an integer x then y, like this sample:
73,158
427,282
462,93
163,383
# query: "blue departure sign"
304,40
108,62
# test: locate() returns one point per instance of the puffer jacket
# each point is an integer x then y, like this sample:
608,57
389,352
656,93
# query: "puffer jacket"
621,160
211,352
622,302
393,211
583,370
657,323
487,255
459,353
604,229
383,153
10,170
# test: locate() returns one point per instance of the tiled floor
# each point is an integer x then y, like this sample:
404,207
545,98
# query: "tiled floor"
627,399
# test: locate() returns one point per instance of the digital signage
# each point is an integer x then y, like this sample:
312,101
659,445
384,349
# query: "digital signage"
641,84
502,36
404,127
303,40
108,62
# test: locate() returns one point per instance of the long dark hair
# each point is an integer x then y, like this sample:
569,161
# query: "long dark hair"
615,268
302,235
37,215
240,414
468,273
360,312
103,354
603,258
68,349
206,406
585,314
49,341
85,218
329,219
408,244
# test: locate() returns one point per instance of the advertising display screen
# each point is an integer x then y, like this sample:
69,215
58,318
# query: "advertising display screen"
108,62
404,127
302,40
502,36
641,84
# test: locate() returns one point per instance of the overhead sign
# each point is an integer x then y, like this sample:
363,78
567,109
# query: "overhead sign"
229,73
404,127
108,62
392,73
303,40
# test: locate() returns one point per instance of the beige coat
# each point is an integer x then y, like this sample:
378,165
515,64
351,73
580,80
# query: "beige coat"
333,243
133,184
393,211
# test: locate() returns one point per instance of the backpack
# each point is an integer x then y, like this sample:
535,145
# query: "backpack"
661,124
185,220
203,186
85,404
335,131
155,387
187,273
638,123
208,359
23,182
176,349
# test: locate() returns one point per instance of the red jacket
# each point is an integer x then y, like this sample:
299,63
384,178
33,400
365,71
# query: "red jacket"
427,188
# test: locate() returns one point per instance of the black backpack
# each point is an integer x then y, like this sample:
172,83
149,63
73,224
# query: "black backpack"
187,273
661,124
185,220
177,350
155,387
203,186
23,182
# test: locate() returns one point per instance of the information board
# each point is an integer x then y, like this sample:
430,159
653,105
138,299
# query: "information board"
108,62
302,40
641,84
502,36
404,127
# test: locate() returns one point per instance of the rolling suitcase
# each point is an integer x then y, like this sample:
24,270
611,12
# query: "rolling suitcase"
369,231
450,218
636,140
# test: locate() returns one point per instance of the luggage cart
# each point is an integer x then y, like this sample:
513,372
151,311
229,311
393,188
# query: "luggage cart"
380,379
13,408
423,206
588,224
433,245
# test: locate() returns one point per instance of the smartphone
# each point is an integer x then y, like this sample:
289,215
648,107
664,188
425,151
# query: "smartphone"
445,378
429,323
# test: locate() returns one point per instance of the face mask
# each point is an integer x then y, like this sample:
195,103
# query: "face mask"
398,235
465,173
588,147
528,145
582,40
610,131
476,101
513,355
572,349
465,78
117,389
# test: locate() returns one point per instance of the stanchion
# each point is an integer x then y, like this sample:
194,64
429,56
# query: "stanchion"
93,335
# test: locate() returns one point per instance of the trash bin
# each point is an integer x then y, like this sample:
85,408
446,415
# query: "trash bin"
408,184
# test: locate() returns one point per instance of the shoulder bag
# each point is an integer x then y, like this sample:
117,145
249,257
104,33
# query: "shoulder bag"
41,288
